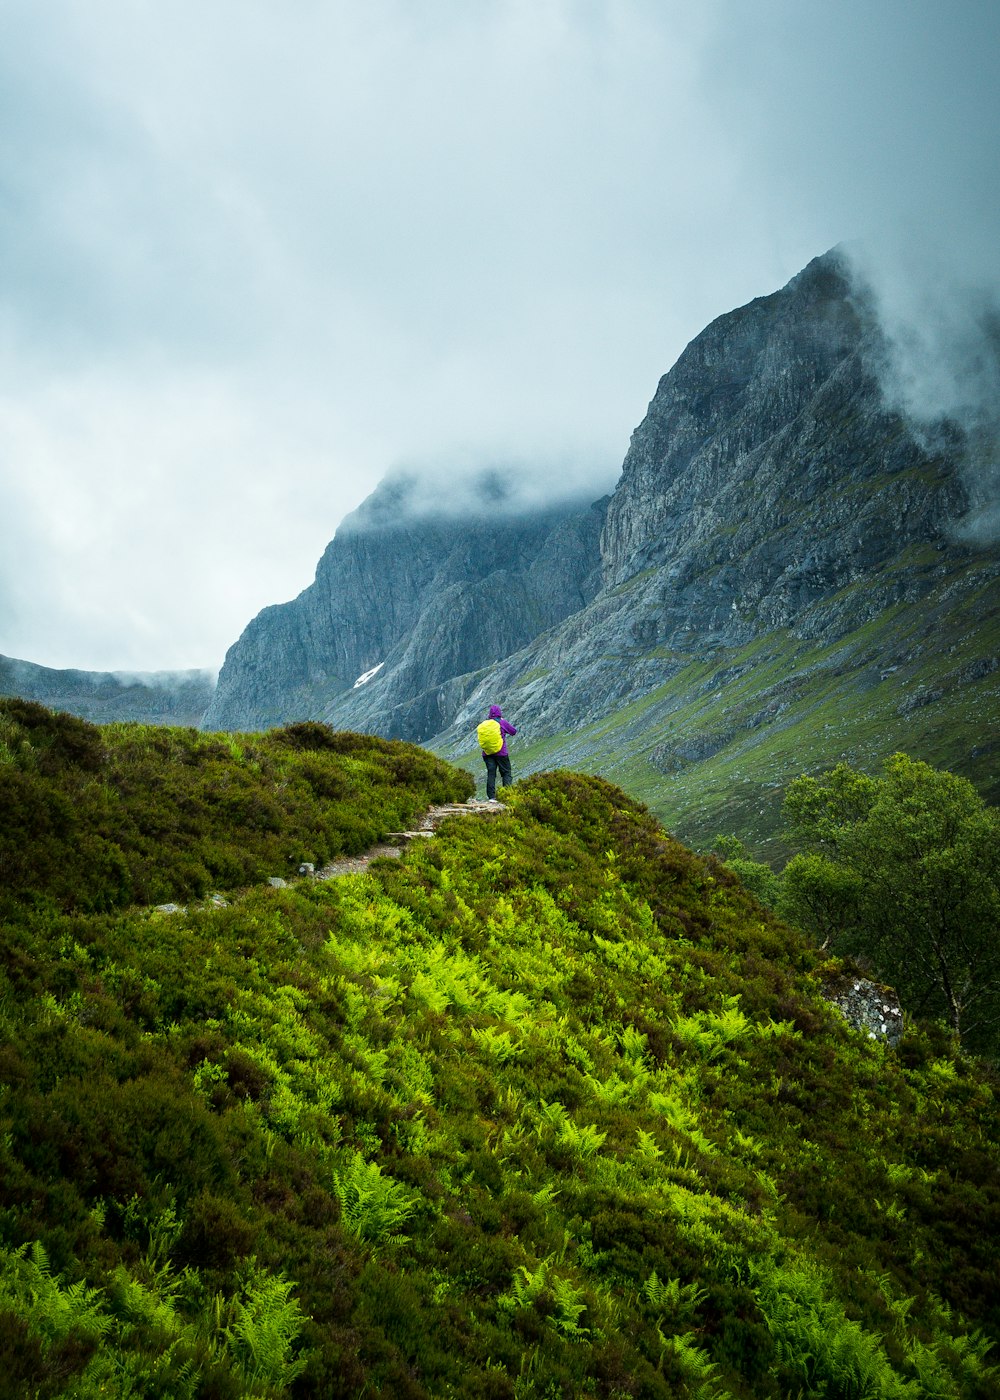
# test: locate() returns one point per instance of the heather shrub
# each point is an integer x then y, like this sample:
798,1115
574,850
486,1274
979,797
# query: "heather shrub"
96,818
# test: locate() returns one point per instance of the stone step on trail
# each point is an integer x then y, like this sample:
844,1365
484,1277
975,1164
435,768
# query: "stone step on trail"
396,841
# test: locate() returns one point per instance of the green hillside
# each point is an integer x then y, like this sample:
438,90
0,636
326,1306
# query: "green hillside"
549,1107
95,818
713,747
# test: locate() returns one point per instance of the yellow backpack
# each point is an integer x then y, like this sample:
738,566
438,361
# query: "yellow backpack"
490,736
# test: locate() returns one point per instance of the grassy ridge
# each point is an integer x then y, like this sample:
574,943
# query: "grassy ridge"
549,1108
98,818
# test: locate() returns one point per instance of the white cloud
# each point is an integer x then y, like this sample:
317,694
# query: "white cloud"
253,258
150,515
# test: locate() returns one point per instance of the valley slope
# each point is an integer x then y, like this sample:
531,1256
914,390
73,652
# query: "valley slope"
549,1106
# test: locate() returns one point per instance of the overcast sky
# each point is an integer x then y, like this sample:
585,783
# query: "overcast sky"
254,255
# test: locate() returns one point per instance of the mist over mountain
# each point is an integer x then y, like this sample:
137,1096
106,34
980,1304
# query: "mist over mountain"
938,363
151,697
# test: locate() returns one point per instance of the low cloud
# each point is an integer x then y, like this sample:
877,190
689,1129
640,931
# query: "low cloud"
463,487
252,259
941,367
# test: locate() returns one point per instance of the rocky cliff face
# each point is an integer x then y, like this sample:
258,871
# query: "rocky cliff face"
768,488
103,697
420,597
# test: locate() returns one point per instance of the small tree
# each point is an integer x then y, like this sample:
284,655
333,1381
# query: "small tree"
760,879
911,862
821,897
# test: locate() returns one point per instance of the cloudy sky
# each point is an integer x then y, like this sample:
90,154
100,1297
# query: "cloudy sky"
254,255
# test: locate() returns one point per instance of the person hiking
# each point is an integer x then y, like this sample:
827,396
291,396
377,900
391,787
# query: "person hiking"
492,737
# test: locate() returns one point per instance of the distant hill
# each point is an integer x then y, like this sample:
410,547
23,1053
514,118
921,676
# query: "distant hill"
152,697
548,1107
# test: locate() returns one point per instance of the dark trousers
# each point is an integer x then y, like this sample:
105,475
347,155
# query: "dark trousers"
493,762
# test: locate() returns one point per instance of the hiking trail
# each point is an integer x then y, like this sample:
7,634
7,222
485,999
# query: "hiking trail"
392,847
396,841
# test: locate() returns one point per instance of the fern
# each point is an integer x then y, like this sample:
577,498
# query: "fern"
818,1345
266,1324
682,1120
569,1304
526,1285
670,1297
53,1310
648,1148
614,1090
566,1302
372,1206
710,1033
149,1307
497,1045
695,1365
635,1046
584,1140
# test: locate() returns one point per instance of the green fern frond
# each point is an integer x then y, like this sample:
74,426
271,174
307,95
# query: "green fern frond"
266,1323
372,1206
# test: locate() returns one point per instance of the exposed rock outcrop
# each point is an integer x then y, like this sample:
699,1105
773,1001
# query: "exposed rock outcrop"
767,488
868,1006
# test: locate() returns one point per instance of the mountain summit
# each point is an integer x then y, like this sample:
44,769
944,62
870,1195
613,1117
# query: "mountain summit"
780,539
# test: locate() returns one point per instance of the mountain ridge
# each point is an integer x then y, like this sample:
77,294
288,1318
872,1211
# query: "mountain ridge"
777,581
781,578
150,697
771,520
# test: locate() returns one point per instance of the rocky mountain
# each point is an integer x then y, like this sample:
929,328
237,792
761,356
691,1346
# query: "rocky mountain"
779,579
414,596
784,581
153,697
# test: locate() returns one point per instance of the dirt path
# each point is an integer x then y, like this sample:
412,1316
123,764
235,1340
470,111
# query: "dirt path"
393,847
397,841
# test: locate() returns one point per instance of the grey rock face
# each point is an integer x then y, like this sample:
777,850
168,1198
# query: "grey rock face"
768,488
103,697
425,597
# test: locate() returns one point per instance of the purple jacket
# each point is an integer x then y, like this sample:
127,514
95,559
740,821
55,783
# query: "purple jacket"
505,728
